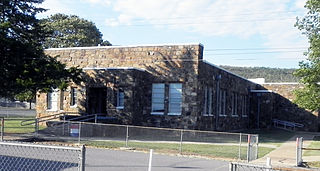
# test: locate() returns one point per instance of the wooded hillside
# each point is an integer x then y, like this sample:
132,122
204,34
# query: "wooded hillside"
270,74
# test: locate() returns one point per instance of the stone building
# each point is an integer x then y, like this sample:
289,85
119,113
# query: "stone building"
285,109
158,85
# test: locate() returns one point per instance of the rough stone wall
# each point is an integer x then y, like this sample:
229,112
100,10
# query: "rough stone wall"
164,64
134,83
285,109
213,76
63,102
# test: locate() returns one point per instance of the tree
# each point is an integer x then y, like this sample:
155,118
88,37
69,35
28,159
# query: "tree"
71,31
309,71
24,67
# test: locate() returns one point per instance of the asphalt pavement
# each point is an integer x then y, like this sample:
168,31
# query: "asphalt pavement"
116,160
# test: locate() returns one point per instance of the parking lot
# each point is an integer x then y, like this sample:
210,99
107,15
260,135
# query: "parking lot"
104,159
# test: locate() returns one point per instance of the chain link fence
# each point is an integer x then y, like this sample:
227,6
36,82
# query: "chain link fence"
12,130
162,140
31,157
235,166
249,167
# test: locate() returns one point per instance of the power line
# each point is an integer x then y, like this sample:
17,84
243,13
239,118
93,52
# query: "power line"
249,49
252,53
208,16
197,23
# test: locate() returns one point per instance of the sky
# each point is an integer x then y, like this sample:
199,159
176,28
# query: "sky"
233,32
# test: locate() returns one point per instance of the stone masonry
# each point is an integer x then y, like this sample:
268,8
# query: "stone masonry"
285,109
212,98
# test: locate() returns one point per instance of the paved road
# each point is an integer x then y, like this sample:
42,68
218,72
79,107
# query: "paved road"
10,112
103,159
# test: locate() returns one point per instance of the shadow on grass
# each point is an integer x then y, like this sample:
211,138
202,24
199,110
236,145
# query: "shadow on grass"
272,136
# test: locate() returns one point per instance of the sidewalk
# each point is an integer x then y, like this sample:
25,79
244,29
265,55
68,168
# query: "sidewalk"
285,155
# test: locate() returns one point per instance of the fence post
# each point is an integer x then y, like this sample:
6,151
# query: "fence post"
150,160
2,128
268,164
299,144
64,121
230,166
83,158
257,146
240,147
36,126
127,135
249,148
181,136
79,137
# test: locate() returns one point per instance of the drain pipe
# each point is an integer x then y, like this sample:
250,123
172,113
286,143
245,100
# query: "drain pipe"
218,78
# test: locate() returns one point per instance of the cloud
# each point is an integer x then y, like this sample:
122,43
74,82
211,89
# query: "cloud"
273,20
55,6
98,2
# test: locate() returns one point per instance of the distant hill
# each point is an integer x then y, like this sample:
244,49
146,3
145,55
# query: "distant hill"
270,74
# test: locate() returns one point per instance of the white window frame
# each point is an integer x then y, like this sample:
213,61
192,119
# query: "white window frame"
61,100
49,100
245,106
153,98
207,108
234,99
170,99
120,98
73,97
222,102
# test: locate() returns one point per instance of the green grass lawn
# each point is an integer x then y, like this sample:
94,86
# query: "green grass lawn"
314,164
314,144
207,150
266,137
13,125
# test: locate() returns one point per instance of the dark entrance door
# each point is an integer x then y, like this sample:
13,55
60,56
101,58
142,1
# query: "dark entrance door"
97,100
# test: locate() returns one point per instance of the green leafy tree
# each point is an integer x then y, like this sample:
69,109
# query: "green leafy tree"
24,67
309,71
71,31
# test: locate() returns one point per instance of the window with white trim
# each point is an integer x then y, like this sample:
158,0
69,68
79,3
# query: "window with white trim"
120,99
234,103
244,107
158,93
52,100
74,98
175,99
207,109
222,102
61,99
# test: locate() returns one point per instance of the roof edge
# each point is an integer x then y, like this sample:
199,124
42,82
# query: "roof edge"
128,46
227,71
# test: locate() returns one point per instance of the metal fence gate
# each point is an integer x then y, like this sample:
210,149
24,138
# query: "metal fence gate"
31,157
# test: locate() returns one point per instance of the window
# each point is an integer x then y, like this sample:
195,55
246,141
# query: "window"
234,103
120,99
74,99
158,91
244,106
52,100
207,110
61,99
175,98
222,103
